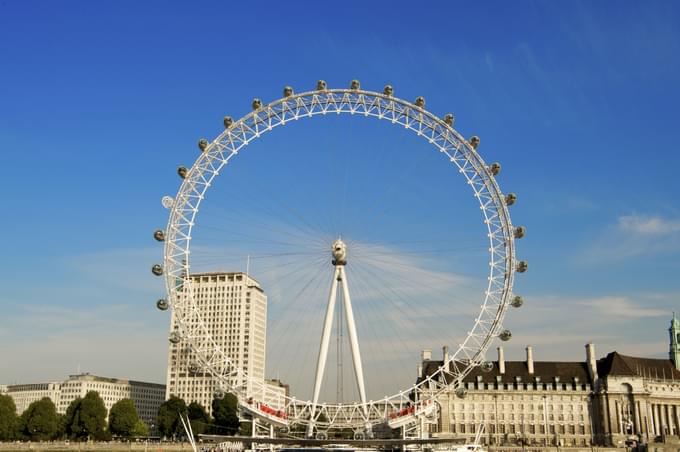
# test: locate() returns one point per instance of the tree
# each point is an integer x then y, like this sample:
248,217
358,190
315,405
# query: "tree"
168,416
141,429
86,418
71,429
39,421
9,421
199,418
123,418
225,413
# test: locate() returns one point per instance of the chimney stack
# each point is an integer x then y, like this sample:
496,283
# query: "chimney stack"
501,361
419,369
590,361
530,360
426,355
445,353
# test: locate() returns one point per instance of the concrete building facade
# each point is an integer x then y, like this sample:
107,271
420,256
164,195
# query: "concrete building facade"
234,308
147,397
25,394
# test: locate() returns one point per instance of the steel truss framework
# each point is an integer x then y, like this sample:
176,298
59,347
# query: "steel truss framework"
265,118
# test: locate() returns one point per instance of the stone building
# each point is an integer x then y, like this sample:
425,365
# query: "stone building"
534,402
639,397
147,397
612,401
25,394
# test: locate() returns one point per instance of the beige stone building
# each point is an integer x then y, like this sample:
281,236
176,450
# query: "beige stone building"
25,394
613,401
534,402
147,397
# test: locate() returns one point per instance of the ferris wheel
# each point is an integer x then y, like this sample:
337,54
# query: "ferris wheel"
409,405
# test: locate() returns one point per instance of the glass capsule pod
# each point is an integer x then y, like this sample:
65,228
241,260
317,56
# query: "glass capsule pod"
175,337
461,392
517,301
522,266
505,335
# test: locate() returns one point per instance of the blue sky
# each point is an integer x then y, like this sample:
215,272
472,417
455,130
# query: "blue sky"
100,102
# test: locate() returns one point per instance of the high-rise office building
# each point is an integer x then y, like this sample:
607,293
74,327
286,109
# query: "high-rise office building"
234,309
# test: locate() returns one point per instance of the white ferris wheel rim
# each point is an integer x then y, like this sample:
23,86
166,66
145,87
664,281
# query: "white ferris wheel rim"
264,118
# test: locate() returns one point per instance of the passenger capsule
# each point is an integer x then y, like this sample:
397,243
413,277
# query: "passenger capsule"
388,90
202,144
287,91
505,335
495,168
461,392
257,104
449,119
228,121
522,266
219,393
486,366
174,337
167,201
474,141
159,235
157,270
520,231
355,85
182,172
321,85
517,301
193,367
162,304
510,199
420,102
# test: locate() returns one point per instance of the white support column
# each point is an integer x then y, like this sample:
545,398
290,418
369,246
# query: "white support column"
354,341
323,347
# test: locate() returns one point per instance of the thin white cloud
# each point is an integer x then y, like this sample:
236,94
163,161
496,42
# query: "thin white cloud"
646,225
618,306
633,236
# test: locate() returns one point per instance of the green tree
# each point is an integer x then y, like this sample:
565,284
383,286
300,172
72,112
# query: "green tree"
199,418
39,421
141,429
86,418
123,418
70,428
225,413
168,421
9,421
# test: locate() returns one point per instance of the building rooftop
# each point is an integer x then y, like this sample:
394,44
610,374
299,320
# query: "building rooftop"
545,370
615,364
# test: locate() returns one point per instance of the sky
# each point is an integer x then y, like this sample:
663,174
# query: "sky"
100,102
